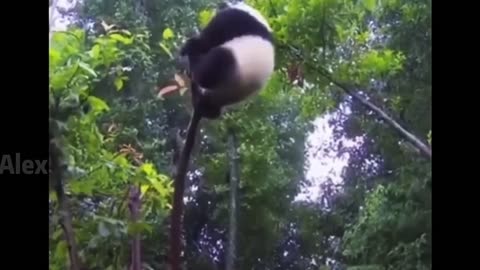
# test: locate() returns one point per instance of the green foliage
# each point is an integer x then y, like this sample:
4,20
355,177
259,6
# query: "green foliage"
168,33
97,168
385,235
204,17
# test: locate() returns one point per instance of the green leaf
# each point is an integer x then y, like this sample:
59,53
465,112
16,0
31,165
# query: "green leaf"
59,38
139,227
82,187
370,4
148,169
87,68
98,105
158,186
167,33
61,78
62,249
71,101
95,51
123,31
166,50
118,83
57,234
204,17
54,56
122,161
122,39
144,189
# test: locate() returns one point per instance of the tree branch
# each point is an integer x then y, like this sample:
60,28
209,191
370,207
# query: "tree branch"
421,146
424,149
134,206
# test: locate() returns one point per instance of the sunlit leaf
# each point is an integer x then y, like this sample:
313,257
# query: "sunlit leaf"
87,68
118,83
144,189
370,4
167,33
148,168
122,39
55,57
95,51
61,78
205,16
98,105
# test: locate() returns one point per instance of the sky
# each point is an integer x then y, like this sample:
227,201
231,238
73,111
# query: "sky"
322,165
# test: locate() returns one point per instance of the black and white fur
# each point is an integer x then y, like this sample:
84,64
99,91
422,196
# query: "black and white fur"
231,60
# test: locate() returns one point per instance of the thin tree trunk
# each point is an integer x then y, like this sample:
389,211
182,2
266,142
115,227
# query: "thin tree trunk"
234,179
423,148
417,142
134,206
57,171
179,187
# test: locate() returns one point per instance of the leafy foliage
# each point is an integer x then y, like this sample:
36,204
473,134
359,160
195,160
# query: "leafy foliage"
99,169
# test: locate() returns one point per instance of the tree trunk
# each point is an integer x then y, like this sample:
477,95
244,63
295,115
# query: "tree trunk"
134,206
56,172
234,179
418,143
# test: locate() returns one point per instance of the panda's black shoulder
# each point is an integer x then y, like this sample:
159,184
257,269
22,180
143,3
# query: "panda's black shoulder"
230,23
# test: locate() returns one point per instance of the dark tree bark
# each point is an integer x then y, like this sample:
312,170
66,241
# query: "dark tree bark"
234,179
57,169
134,206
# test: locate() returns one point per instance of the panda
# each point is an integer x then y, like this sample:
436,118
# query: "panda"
231,59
